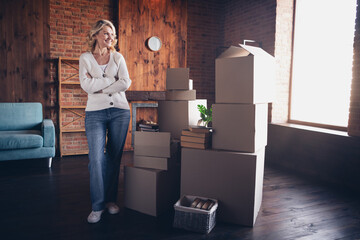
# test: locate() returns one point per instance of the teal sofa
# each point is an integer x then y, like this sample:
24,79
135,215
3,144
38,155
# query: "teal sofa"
24,134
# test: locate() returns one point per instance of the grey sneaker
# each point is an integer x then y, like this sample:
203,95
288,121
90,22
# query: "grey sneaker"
112,208
94,216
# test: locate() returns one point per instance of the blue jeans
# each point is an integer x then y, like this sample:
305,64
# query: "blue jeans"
104,167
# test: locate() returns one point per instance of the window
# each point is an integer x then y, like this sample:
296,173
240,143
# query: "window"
322,61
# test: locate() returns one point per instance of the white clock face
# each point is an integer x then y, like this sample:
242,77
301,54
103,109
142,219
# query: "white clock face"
154,43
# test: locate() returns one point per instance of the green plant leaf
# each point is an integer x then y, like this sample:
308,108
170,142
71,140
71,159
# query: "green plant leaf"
205,113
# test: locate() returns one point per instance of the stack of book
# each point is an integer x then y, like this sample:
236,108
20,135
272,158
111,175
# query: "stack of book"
196,137
148,127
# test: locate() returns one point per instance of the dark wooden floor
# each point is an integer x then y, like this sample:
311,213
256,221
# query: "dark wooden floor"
41,203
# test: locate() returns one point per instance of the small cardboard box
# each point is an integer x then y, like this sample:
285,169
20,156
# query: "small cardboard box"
174,116
239,127
235,179
155,144
180,95
154,162
244,74
178,78
150,191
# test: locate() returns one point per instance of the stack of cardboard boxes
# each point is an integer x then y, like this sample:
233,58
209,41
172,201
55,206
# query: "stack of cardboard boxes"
152,184
179,110
232,171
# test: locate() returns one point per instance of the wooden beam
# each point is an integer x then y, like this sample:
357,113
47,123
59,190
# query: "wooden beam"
145,95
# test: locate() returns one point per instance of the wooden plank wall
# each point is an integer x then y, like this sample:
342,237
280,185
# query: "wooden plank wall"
24,51
141,19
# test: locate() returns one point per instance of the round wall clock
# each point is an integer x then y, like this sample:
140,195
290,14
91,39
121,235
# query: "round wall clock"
154,43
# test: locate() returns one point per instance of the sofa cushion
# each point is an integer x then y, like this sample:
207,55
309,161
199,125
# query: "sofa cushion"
20,139
20,116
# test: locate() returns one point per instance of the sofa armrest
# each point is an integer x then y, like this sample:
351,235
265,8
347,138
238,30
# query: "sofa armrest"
48,132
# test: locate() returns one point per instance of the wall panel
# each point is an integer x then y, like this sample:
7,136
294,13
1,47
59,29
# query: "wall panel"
205,38
139,20
24,48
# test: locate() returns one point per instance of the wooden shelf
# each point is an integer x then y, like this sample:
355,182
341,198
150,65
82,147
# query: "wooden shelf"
73,130
69,106
69,78
68,59
70,83
75,152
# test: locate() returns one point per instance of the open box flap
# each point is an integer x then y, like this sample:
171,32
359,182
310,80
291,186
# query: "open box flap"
243,51
234,51
256,51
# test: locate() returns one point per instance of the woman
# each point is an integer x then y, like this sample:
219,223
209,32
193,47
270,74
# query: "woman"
104,76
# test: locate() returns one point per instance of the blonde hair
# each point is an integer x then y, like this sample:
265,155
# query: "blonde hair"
97,27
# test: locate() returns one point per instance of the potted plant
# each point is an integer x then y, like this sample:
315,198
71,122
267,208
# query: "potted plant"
206,116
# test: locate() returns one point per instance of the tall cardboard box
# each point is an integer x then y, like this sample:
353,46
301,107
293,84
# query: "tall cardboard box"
150,191
239,127
174,116
235,179
244,74
178,78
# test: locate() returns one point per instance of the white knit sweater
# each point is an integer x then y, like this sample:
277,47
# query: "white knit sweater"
113,90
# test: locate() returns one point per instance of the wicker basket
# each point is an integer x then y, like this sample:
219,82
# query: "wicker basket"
194,219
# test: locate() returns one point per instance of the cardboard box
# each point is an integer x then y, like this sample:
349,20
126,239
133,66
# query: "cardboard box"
154,162
174,116
244,74
178,78
150,191
180,95
235,179
240,127
155,144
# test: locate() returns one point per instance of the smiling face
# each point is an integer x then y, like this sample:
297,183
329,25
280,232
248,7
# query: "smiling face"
105,37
